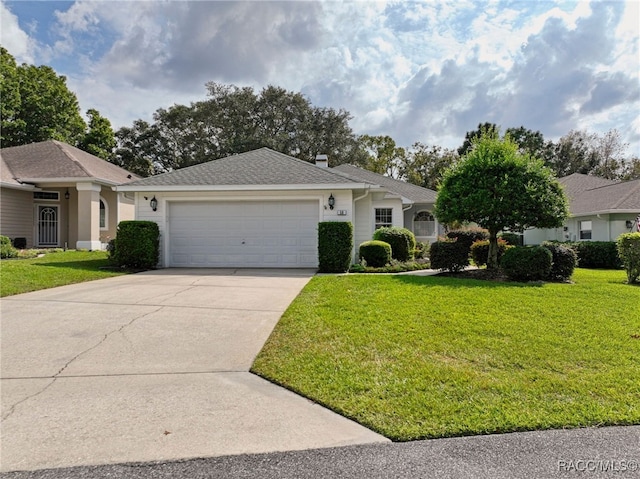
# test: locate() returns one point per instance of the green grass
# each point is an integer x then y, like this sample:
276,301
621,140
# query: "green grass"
54,269
422,357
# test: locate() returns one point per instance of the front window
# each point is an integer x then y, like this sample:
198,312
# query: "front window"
585,230
103,215
424,224
384,217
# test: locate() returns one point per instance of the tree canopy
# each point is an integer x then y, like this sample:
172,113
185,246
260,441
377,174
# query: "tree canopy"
498,188
234,120
37,105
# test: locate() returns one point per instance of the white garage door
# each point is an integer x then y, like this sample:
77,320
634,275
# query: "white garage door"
265,234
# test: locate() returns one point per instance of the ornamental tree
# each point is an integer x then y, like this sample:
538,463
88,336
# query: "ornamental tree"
498,188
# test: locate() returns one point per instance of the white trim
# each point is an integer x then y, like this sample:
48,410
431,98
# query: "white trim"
90,245
186,188
76,179
15,186
88,186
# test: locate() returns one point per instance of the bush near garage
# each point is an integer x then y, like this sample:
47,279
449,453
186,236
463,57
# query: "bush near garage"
402,241
480,251
527,263
563,261
628,245
375,253
449,255
335,243
6,248
137,245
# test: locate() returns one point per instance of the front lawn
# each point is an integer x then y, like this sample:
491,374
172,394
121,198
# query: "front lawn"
53,269
421,357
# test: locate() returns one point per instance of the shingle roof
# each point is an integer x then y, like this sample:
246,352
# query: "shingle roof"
620,196
258,167
54,159
414,193
577,183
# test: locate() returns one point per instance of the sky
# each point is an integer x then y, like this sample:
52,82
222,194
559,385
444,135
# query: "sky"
425,71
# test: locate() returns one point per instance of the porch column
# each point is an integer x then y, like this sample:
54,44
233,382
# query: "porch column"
88,216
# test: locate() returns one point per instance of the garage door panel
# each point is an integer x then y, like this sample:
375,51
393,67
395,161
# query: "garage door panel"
243,234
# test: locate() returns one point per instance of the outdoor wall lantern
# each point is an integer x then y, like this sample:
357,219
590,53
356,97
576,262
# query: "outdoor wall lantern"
629,224
67,195
154,203
331,201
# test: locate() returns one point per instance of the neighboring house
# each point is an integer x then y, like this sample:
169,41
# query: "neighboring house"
600,210
260,209
55,195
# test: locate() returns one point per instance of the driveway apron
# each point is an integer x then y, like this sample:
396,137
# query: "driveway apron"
152,367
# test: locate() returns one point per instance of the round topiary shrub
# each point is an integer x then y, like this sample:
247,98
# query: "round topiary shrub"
402,241
449,255
375,253
563,262
523,263
480,251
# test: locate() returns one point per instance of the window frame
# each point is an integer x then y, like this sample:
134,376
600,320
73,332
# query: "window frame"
106,214
584,233
56,193
378,214
432,221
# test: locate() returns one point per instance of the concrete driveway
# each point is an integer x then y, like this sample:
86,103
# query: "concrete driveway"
152,367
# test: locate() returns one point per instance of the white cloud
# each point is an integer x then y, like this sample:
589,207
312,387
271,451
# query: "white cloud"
13,38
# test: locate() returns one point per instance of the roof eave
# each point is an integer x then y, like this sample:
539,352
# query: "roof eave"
18,186
73,179
315,186
606,212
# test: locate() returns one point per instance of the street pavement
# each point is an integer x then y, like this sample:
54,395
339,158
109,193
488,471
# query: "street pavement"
593,453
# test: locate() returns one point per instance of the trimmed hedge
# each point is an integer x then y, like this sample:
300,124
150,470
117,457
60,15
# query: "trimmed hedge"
335,243
480,251
402,241
6,248
449,255
597,254
524,263
375,253
563,261
628,245
137,245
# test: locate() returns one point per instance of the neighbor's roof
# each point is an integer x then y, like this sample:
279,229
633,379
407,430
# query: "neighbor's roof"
414,193
253,168
577,183
54,160
623,197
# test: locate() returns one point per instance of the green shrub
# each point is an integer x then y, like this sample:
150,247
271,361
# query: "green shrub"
563,261
6,248
513,239
480,251
402,241
375,253
335,243
468,236
597,254
421,250
628,245
523,263
449,255
137,244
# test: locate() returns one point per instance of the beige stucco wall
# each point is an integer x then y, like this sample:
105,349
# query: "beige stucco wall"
16,214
